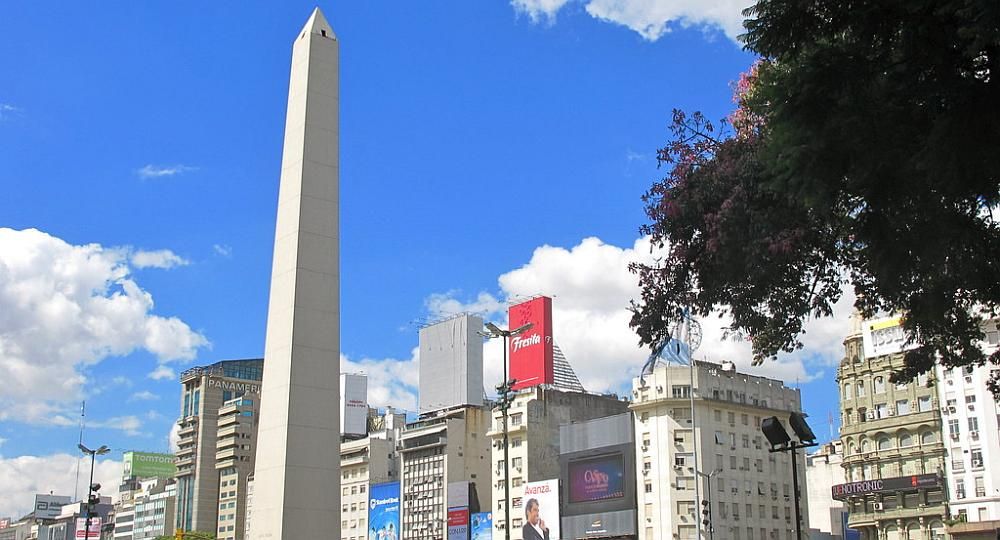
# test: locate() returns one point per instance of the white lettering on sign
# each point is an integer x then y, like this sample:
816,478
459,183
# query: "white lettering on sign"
234,386
520,342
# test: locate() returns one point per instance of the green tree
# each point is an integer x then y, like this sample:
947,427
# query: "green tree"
190,535
865,148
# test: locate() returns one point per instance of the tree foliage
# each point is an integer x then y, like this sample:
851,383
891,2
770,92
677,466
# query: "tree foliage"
190,535
865,148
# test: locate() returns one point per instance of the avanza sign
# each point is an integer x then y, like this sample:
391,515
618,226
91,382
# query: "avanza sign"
899,483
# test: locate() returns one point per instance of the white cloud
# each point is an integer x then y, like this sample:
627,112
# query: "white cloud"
391,382
144,395
157,171
539,10
66,307
161,258
6,109
222,250
174,438
24,476
591,289
444,305
649,18
162,373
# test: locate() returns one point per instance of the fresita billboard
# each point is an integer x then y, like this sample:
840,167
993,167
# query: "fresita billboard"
531,351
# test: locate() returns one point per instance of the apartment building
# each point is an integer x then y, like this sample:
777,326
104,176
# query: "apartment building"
533,425
699,439
363,463
443,449
234,462
824,468
971,418
894,456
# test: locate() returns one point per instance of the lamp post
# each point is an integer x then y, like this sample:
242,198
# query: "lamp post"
781,442
503,389
707,512
92,498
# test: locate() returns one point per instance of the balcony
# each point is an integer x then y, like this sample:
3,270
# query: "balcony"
890,422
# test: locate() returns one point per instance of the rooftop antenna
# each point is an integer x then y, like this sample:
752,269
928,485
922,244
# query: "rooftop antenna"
83,415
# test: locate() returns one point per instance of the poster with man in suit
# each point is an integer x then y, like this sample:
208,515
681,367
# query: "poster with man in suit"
541,510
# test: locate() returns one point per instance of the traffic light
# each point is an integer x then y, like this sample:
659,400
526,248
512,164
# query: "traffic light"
706,513
93,499
506,399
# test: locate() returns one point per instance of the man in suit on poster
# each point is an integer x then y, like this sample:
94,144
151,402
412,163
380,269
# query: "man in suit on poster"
535,528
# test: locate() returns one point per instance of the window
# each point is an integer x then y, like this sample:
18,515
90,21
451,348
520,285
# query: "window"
953,429
902,406
516,462
980,487
922,379
977,458
927,437
905,439
969,399
973,423
960,488
746,441
515,419
881,410
717,415
745,419
731,417
878,385
861,389
720,438
924,403
847,391
680,391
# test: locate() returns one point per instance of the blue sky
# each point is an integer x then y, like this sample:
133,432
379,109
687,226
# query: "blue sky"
488,150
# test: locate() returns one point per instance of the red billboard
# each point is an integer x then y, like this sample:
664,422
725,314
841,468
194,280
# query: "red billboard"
531,351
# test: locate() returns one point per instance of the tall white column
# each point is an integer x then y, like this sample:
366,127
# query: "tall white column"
297,473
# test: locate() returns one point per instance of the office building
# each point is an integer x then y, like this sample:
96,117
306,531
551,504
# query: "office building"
230,388
533,424
451,363
698,438
894,457
824,468
363,463
149,511
444,464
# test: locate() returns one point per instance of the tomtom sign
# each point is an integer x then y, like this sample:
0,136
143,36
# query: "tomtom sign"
531,352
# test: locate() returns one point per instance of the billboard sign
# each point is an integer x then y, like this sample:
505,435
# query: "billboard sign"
148,465
541,510
899,483
93,532
482,526
383,511
4,523
531,353
353,404
50,506
597,479
458,523
884,336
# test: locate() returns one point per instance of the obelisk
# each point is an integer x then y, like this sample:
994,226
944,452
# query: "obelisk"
297,472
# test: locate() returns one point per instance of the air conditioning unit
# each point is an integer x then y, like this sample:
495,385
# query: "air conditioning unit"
644,448
972,407
977,463
891,412
878,506
968,379
954,436
974,434
659,388
951,409
871,415
944,410
645,472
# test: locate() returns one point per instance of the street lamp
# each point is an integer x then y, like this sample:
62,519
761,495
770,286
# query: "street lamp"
707,510
92,498
503,389
781,442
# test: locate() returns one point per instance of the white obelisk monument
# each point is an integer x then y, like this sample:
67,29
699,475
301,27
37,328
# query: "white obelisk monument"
297,472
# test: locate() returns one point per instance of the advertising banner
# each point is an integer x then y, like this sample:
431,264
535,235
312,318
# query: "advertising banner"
597,479
884,336
899,483
383,511
482,526
50,506
93,532
4,523
458,523
531,353
541,510
149,465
